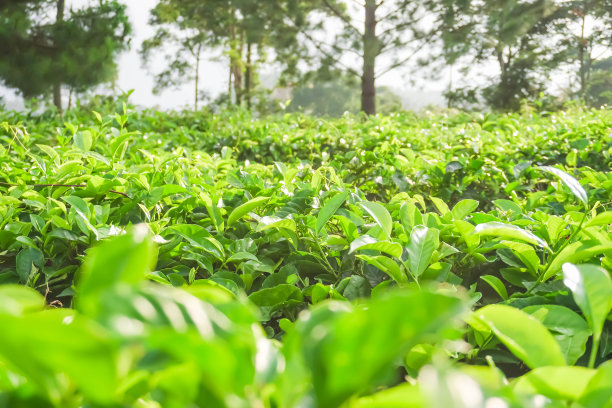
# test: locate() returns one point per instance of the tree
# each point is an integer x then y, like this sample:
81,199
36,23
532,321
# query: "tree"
242,29
182,41
370,30
585,38
515,35
599,90
78,49
337,95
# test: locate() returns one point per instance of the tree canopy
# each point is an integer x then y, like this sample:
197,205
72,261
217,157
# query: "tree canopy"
78,49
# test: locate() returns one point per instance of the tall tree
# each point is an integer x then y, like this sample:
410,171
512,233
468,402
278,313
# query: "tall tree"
57,86
42,48
586,38
180,41
515,35
599,91
242,29
395,31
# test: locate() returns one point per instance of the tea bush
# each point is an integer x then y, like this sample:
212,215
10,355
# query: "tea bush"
154,259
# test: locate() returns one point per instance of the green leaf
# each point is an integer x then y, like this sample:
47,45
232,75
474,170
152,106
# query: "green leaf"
357,287
464,208
598,392
212,209
508,206
403,395
8,200
242,256
200,238
591,287
83,140
348,351
17,300
79,205
380,215
246,208
556,383
276,222
440,205
567,327
523,334
410,216
604,218
387,265
526,254
466,230
83,213
508,231
423,243
496,284
570,182
124,260
41,345
27,259
273,299
366,242
576,252
329,209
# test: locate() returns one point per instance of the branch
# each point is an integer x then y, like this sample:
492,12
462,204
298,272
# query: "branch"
383,18
317,45
388,46
61,185
398,27
402,61
341,16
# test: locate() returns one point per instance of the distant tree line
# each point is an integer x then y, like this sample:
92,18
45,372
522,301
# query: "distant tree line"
343,43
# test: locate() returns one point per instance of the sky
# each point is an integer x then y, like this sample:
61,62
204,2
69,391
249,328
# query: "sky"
133,76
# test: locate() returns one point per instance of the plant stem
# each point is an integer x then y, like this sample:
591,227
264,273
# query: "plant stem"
409,274
552,258
320,250
594,350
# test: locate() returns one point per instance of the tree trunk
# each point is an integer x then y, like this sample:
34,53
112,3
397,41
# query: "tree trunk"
504,62
57,86
238,73
247,75
197,78
370,51
449,98
235,68
584,57
229,82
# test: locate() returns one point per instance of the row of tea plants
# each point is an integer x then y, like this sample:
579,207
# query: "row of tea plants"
173,260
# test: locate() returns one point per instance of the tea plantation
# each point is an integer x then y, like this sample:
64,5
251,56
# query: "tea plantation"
153,259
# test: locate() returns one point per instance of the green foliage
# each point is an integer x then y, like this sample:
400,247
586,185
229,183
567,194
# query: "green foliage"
242,29
599,91
517,36
192,259
335,98
366,31
78,51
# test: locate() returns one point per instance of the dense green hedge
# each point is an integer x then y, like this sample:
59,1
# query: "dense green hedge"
386,261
